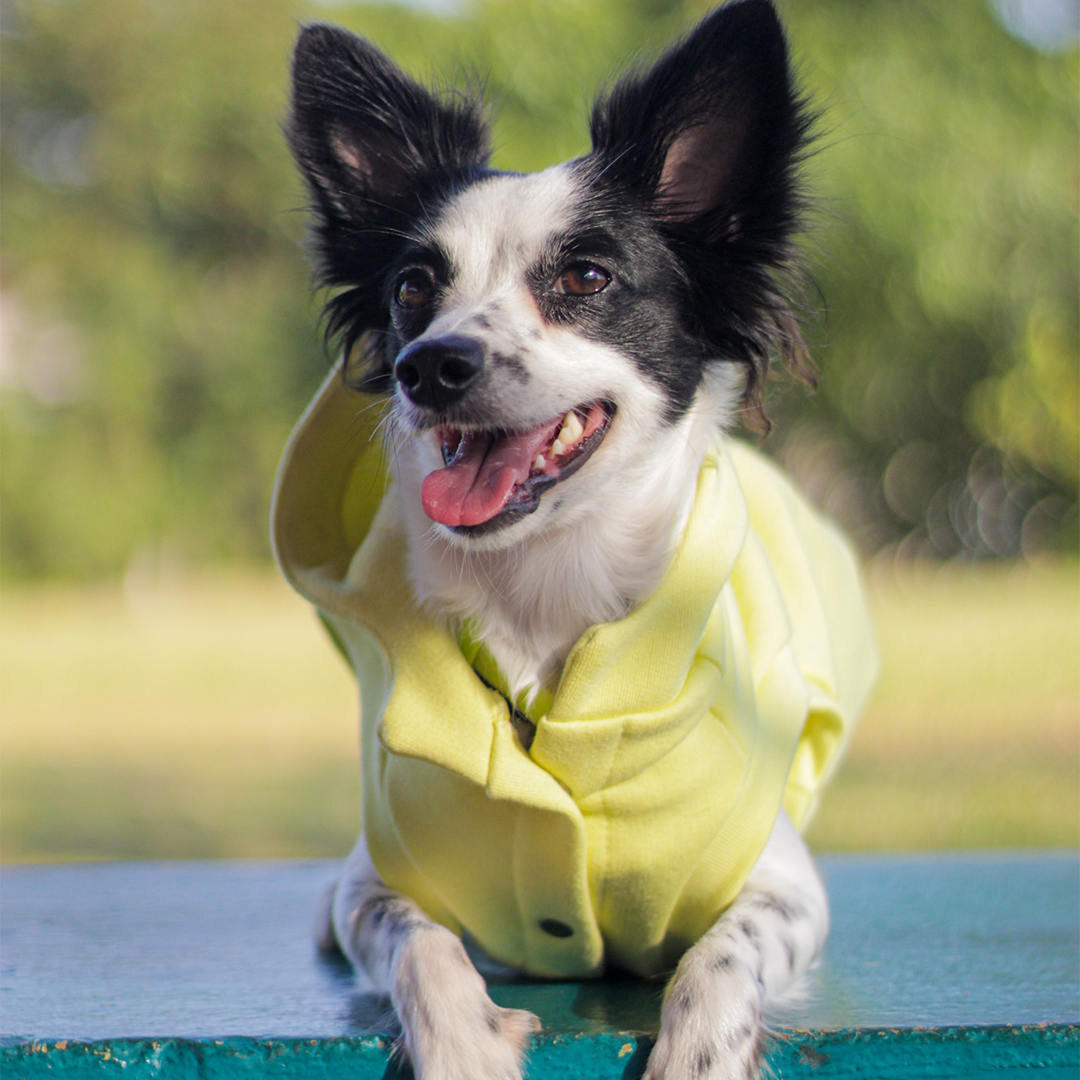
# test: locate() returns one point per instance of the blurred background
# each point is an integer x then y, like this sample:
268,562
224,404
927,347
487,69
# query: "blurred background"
163,695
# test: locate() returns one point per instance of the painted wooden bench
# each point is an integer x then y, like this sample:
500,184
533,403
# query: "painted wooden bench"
951,966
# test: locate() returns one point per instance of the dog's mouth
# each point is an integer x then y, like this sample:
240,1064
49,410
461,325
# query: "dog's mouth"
492,477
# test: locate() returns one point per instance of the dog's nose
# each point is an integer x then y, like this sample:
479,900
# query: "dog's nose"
437,373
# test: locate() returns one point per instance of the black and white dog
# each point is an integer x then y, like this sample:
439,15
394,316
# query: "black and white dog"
559,351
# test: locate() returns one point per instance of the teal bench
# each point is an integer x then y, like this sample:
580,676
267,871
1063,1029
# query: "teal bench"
950,966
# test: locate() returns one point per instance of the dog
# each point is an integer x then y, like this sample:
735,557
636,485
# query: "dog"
607,655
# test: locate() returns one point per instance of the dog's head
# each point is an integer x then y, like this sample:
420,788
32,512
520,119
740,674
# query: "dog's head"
551,332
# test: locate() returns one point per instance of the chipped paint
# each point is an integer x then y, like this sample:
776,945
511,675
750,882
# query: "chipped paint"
881,1054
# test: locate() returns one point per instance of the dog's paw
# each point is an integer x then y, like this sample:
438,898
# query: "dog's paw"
451,1029
516,1025
711,1028
700,1058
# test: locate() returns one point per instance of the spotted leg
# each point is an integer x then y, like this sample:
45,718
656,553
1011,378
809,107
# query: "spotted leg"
451,1029
711,1025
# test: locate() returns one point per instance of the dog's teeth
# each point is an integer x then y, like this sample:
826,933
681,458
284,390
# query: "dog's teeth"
571,432
572,427
539,463
557,448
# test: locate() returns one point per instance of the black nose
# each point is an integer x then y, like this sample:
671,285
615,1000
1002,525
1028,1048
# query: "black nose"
437,373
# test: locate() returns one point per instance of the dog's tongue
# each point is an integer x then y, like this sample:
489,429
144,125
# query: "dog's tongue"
486,467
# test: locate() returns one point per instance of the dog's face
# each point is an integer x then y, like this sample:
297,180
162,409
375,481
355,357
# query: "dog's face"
534,326
545,337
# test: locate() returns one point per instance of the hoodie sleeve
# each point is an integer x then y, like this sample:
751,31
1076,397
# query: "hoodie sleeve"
818,576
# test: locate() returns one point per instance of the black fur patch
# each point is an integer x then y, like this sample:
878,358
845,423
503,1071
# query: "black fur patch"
778,906
703,1061
642,312
789,951
681,999
740,1036
749,931
374,908
512,365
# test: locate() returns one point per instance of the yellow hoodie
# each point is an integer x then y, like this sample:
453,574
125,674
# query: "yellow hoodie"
673,739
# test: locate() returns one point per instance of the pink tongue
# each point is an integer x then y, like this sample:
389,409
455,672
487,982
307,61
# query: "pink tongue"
476,485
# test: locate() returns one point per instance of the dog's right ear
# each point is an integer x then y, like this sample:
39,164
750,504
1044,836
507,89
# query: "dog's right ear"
375,148
367,137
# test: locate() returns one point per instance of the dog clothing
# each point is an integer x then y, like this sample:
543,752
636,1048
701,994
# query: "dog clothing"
661,762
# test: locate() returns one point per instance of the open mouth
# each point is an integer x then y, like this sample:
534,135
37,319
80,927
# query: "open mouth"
492,477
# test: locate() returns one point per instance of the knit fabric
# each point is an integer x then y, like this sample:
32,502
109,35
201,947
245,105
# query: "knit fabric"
661,761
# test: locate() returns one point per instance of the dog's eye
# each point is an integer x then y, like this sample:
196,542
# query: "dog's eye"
413,290
582,279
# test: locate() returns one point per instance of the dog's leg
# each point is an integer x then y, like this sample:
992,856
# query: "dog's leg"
451,1029
711,1027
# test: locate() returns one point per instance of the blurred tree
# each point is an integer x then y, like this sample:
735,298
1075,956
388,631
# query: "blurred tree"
160,335
949,260
146,205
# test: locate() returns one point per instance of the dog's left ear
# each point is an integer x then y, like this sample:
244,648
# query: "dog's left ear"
710,138
715,126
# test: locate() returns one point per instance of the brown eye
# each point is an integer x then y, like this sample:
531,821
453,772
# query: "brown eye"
582,279
413,290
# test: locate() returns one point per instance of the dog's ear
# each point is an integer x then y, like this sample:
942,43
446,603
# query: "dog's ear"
375,148
367,137
712,125
710,138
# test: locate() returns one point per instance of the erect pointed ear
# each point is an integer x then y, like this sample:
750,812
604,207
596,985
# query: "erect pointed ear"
709,139
375,148
367,137
711,132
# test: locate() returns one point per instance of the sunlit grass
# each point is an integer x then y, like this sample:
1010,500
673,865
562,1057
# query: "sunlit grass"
175,718
206,716
972,738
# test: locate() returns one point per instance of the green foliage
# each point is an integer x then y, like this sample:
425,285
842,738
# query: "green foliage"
949,262
160,333
147,207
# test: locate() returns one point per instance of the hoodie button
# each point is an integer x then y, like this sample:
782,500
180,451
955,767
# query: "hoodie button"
555,928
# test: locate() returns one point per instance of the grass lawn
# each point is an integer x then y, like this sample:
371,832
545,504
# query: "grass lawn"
208,716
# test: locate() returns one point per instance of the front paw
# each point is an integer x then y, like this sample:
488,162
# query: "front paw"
451,1029
697,1056
710,1031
